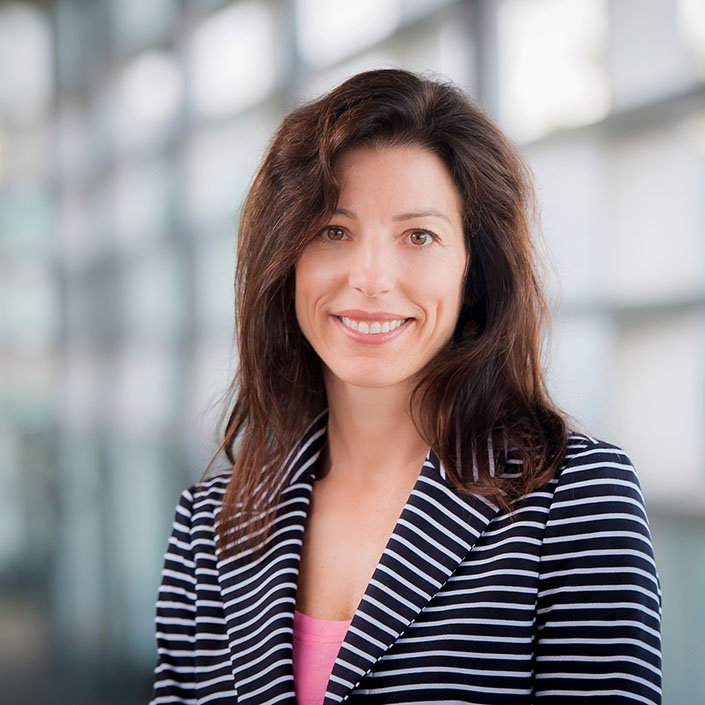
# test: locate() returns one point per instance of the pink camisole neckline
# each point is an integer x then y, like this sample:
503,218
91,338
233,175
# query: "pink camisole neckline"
316,644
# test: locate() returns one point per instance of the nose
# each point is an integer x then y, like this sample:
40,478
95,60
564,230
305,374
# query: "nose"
372,268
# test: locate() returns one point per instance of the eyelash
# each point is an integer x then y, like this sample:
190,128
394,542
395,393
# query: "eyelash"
433,237
327,230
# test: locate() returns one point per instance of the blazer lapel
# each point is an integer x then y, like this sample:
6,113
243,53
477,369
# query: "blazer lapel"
259,595
437,528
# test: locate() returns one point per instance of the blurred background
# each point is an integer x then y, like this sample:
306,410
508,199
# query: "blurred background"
129,132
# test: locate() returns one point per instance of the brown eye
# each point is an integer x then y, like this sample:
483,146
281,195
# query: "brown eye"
419,238
334,234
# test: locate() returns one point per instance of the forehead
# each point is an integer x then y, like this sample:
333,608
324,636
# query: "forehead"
410,177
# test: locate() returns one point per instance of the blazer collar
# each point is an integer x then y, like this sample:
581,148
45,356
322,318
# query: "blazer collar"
437,528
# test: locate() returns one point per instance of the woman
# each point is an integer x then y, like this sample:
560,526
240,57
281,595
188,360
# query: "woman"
406,518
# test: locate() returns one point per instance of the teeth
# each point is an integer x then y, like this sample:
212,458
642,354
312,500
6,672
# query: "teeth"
371,328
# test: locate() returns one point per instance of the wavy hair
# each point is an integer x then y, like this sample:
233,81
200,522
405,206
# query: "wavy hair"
484,392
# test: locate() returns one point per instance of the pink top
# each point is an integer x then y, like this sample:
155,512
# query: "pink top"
316,645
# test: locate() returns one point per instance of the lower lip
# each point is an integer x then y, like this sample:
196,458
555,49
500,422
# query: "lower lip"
373,338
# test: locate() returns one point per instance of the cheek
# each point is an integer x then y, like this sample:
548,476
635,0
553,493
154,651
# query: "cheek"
447,288
300,297
451,300
310,287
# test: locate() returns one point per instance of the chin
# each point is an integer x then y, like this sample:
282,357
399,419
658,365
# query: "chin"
369,376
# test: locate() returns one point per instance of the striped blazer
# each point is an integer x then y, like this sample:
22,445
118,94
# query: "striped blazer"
557,601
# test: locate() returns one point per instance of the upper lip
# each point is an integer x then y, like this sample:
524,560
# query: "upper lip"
370,316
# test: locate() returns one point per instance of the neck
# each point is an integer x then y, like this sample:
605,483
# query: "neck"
372,440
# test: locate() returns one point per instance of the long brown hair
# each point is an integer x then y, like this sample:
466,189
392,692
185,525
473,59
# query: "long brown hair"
483,397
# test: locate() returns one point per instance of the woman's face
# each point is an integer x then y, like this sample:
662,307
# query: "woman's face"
378,291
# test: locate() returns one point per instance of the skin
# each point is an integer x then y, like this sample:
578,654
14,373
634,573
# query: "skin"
394,251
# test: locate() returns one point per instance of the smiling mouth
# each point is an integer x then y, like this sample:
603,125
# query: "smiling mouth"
371,327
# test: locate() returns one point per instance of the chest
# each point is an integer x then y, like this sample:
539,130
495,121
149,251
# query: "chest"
343,541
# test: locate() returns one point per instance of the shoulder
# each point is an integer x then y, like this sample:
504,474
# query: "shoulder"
212,489
592,467
201,501
585,453
595,488
598,609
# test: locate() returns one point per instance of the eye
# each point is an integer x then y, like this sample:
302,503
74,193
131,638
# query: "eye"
420,238
333,233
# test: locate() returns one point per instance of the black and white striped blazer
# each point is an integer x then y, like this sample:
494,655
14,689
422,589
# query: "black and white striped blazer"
557,602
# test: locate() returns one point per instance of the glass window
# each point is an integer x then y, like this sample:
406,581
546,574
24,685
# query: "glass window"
12,538
679,545
25,41
78,244
137,557
380,57
582,370
79,586
214,365
26,219
659,408
220,163
232,62
456,53
214,281
328,32
81,393
551,64
141,203
80,298
152,294
144,389
648,57
412,9
28,153
147,99
29,304
73,143
138,24
691,24
442,45
655,248
28,388
77,40
85,223
4,172
572,186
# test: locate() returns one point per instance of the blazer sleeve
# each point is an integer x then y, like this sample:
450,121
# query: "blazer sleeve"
599,599
174,674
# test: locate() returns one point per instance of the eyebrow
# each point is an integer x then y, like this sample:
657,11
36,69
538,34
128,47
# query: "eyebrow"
400,217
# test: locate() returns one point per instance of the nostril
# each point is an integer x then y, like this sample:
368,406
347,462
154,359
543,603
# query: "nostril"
371,278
